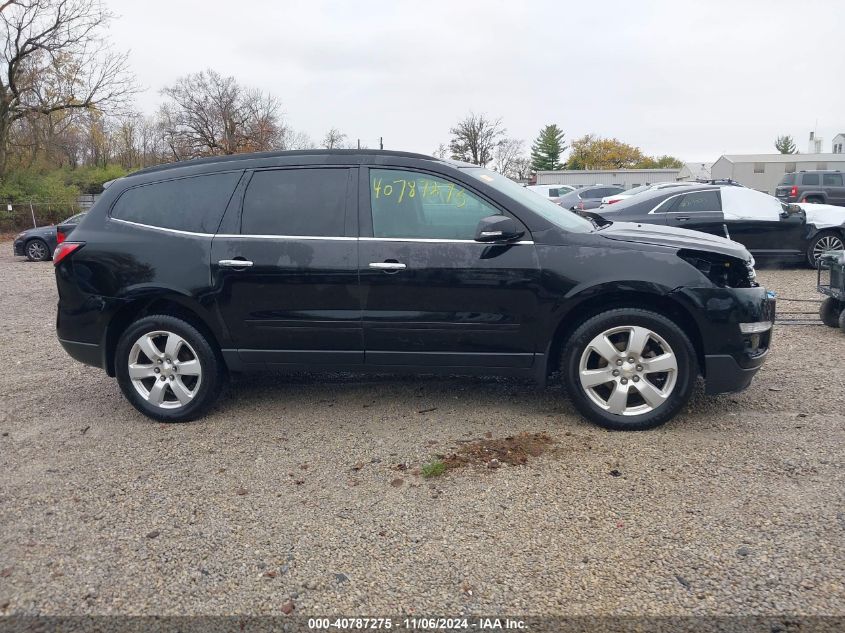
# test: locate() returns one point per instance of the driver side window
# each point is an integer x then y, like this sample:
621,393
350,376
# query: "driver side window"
407,204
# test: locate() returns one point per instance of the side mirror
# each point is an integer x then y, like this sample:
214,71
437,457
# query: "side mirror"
498,228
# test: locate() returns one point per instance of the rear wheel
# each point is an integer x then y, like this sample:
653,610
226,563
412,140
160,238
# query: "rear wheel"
37,250
167,369
629,369
830,311
821,243
814,200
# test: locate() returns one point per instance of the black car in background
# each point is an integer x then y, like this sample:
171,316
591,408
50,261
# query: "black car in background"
819,187
588,197
393,262
768,228
38,244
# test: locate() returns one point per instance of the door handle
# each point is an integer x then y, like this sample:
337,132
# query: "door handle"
234,263
388,266
683,219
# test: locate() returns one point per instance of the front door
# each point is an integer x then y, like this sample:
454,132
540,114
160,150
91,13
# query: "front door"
430,294
287,276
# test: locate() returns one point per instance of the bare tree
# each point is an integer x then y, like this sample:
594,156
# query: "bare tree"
522,168
209,114
291,139
507,152
334,139
441,152
54,58
475,138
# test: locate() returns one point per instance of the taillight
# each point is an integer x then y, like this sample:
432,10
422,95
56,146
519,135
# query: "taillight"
65,249
581,205
612,201
60,237
793,193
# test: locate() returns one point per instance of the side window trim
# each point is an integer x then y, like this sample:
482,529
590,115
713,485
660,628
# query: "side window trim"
365,211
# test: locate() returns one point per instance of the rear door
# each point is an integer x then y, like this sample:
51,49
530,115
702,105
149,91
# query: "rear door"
432,295
698,211
286,269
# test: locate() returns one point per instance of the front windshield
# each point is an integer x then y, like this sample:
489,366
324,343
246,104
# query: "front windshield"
538,204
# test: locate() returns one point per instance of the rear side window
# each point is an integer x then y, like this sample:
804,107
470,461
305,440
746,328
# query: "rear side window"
697,202
188,204
308,202
593,193
832,180
810,179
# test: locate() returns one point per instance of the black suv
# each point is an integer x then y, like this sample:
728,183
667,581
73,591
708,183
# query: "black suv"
396,262
820,187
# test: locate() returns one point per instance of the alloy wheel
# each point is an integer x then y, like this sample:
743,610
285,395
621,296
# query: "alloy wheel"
826,243
36,250
165,370
628,370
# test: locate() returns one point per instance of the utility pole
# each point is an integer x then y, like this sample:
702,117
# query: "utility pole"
381,142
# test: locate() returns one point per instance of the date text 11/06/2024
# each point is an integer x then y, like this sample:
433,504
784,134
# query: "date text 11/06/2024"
417,624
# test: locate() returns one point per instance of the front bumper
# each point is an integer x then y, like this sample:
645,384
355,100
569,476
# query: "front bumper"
730,357
18,249
87,353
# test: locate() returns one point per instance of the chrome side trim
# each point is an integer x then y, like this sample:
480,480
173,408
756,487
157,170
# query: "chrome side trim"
285,237
309,237
433,241
160,228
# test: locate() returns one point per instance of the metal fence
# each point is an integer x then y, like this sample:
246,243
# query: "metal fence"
19,216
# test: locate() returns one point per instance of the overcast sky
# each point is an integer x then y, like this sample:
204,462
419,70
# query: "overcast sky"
692,79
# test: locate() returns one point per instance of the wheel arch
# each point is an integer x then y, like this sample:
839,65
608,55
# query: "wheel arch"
139,308
589,307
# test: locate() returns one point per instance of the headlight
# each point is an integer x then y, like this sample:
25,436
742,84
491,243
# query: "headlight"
724,271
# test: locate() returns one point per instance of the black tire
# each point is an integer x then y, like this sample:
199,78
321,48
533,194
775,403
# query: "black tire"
831,236
687,368
830,312
814,200
842,321
36,250
212,381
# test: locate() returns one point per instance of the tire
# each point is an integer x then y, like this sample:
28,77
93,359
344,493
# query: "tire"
814,200
668,391
830,312
183,396
37,250
842,321
821,242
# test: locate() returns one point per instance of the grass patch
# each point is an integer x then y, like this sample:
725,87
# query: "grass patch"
433,469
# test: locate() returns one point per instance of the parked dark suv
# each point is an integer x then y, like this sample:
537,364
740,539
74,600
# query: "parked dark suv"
396,262
820,187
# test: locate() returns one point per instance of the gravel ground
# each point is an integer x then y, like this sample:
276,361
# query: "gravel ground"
290,494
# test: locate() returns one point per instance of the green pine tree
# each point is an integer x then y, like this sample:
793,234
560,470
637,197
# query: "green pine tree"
785,144
547,149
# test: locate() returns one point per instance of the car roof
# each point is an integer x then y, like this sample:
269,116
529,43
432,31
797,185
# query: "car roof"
352,155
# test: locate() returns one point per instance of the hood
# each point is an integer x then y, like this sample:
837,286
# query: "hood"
674,238
823,215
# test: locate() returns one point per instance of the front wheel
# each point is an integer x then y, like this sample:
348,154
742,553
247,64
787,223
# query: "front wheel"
37,250
167,369
821,243
629,369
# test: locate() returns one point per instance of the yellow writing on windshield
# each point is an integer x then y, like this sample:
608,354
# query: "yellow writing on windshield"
434,192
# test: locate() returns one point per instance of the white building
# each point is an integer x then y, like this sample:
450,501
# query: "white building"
764,171
625,178
839,143
695,171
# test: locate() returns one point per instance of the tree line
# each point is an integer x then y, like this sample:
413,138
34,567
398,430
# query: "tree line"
68,121
483,140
